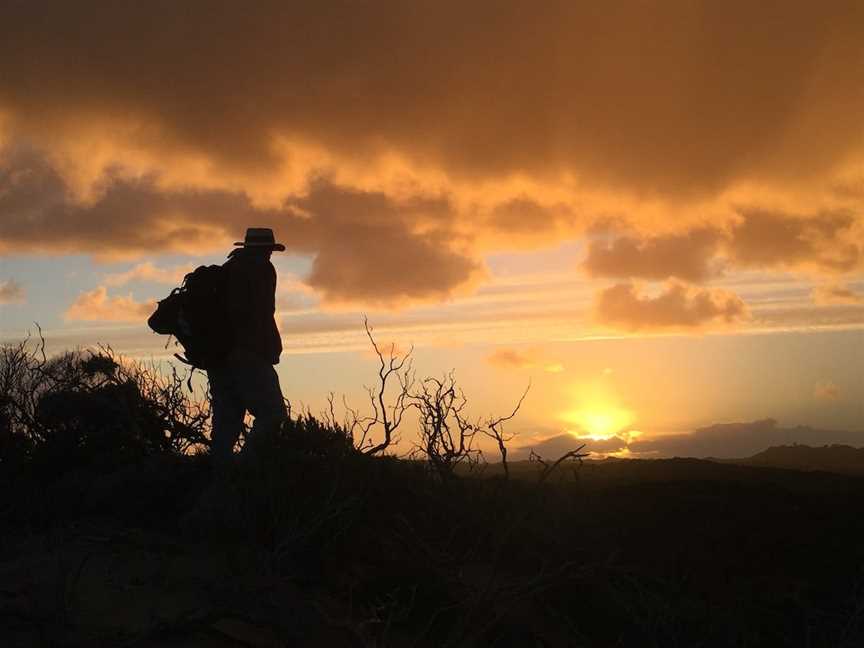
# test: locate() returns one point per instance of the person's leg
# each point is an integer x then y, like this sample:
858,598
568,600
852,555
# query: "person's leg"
228,413
258,384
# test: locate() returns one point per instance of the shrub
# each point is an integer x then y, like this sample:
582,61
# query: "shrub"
91,407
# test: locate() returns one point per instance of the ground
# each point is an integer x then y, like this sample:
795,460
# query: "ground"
303,549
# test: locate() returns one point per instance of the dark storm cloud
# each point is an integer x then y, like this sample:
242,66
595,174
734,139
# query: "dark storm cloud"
678,96
363,245
439,126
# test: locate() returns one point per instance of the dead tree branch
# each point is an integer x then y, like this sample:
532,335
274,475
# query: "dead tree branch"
446,436
494,429
387,417
548,469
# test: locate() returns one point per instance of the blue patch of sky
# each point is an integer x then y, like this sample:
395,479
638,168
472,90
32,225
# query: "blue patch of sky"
53,283
50,284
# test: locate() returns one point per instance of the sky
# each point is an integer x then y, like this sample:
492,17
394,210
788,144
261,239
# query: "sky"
652,212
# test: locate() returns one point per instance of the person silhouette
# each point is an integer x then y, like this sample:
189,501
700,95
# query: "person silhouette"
246,380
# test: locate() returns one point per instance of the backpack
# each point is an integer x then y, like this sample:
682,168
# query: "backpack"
196,313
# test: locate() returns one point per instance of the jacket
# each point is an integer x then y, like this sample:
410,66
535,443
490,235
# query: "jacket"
251,296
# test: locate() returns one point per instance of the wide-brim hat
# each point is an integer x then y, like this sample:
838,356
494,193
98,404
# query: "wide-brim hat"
260,237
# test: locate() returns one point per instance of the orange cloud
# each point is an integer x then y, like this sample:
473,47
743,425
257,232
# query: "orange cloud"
809,316
11,292
96,305
365,245
367,249
686,256
826,391
623,110
397,172
824,242
148,272
836,294
523,359
677,307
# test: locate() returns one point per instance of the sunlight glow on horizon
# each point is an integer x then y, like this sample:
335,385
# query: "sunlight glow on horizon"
600,424
598,413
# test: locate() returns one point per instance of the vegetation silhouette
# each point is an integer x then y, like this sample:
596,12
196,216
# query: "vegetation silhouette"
115,531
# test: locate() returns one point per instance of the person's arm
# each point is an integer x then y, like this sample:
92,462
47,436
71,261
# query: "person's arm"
262,293
239,304
271,329
252,304
271,290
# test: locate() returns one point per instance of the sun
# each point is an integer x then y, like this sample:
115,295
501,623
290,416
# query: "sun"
601,422
597,412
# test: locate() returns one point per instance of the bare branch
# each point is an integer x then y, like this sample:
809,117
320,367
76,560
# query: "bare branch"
38,390
446,435
494,429
576,454
387,417
41,342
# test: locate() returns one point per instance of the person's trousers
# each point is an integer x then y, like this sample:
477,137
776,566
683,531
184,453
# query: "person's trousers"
244,383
